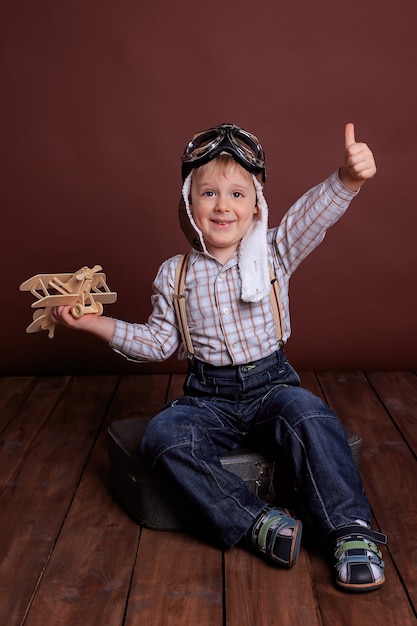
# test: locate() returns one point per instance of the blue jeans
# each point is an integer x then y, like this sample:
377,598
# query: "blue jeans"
222,408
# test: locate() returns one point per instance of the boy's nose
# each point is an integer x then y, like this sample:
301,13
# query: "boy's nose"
222,204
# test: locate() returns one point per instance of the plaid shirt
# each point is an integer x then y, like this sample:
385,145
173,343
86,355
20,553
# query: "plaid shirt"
224,329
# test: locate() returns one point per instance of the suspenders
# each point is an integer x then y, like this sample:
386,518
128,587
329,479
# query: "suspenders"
180,310
179,304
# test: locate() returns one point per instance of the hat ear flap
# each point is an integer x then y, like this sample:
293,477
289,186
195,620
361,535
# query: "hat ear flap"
253,253
188,226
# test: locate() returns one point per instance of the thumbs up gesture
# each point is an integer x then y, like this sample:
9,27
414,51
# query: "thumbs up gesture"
359,164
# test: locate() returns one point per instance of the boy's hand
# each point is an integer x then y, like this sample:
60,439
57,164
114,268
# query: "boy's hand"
99,325
359,163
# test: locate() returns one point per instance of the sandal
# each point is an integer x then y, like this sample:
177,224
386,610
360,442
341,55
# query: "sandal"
358,562
277,536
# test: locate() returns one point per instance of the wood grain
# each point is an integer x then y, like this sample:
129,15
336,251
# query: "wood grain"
71,555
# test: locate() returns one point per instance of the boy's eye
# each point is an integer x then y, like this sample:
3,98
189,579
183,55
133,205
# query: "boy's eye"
237,194
210,194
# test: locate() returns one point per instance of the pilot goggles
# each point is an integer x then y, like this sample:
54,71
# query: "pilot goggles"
241,145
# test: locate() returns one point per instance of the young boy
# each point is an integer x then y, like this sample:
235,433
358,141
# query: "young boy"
239,383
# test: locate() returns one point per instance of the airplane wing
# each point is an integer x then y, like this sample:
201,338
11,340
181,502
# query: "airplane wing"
40,281
58,300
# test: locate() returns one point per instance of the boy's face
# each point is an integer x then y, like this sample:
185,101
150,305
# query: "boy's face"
223,204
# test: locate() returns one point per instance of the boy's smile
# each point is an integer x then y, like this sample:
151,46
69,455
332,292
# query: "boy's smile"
223,203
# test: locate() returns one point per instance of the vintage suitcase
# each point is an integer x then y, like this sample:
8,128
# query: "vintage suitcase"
153,502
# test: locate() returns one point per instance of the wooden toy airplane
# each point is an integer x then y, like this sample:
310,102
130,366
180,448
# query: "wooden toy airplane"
85,291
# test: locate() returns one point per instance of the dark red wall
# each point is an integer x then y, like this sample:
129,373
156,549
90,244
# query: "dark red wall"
99,100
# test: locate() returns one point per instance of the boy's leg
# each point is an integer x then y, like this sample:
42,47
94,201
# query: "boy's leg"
186,440
310,434
312,437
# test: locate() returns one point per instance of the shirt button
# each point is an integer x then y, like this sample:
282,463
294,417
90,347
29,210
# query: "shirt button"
225,311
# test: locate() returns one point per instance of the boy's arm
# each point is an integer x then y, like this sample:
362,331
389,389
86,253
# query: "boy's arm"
359,164
155,340
305,224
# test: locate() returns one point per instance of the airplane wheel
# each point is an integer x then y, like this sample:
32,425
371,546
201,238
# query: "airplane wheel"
99,308
77,311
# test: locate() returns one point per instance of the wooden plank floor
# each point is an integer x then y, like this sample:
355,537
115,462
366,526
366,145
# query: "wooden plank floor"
71,556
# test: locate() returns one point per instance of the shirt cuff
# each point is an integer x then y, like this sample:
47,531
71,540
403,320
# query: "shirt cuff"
337,190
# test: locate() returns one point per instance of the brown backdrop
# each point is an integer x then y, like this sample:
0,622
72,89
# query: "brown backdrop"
99,99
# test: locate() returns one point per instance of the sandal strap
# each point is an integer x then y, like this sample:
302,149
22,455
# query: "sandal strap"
357,559
355,531
357,545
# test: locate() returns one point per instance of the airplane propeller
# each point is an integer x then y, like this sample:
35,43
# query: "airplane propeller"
86,272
